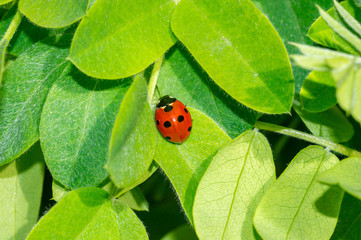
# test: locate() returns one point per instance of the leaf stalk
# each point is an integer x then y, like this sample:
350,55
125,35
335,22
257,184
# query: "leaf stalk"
154,78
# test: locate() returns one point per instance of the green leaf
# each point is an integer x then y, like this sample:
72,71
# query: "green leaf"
185,163
81,111
249,63
297,206
349,221
330,124
130,36
21,184
318,92
5,1
58,190
26,84
87,213
232,187
133,139
292,23
135,200
348,18
182,77
322,34
346,175
53,13
180,233
357,3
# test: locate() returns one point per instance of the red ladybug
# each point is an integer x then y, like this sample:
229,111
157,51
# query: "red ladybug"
173,119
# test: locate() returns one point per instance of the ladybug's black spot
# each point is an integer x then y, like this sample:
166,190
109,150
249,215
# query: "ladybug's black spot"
167,124
190,128
167,137
168,108
185,109
157,122
180,118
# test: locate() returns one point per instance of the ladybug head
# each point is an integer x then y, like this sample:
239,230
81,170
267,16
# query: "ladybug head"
165,100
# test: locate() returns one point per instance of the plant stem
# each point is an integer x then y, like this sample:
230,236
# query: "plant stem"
154,78
12,28
308,137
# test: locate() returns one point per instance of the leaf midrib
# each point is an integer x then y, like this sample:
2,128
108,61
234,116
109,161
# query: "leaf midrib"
304,196
238,180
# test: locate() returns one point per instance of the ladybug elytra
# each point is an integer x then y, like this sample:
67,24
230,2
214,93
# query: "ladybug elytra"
173,119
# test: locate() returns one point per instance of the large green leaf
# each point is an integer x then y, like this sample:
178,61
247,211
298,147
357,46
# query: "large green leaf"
346,174
87,213
182,77
318,92
232,187
185,163
292,23
321,33
240,50
349,221
21,184
297,206
26,84
133,139
53,13
330,124
81,112
121,38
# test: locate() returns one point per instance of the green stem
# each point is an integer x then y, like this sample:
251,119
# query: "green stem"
308,137
12,28
154,78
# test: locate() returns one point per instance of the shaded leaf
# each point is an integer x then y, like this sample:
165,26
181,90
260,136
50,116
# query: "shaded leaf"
87,213
185,163
349,221
297,205
318,92
346,174
129,156
232,187
130,36
249,63
21,184
135,200
182,77
53,13
330,124
183,232
26,84
81,111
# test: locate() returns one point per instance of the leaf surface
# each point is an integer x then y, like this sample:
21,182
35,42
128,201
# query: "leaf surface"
232,187
183,78
26,84
21,184
240,50
346,175
87,214
80,111
297,206
53,13
185,163
132,145
130,36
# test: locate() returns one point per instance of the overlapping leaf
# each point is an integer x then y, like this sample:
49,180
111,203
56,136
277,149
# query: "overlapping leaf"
297,206
121,38
25,87
346,175
76,125
53,13
185,164
132,145
249,63
183,78
21,184
87,213
232,187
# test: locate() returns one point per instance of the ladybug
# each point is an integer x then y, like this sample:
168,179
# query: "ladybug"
173,119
